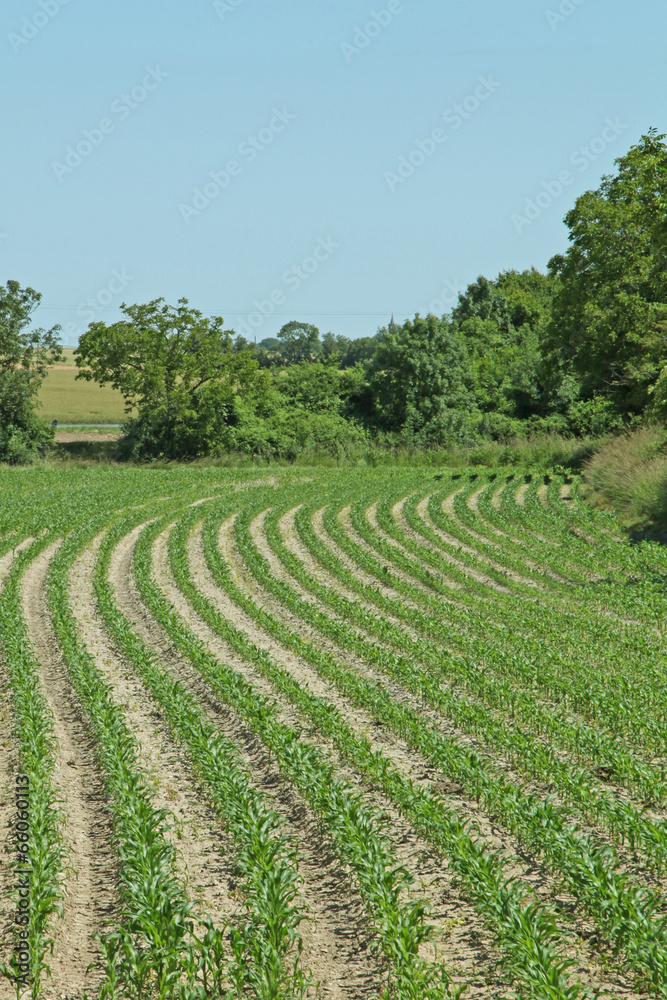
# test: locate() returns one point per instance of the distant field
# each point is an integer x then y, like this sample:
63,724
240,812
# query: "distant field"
63,399
68,357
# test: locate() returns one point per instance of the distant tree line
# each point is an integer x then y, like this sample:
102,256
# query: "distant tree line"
579,350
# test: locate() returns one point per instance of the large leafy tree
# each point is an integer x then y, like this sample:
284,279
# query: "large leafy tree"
25,353
299,342
502,322
609,326
179,373
418,374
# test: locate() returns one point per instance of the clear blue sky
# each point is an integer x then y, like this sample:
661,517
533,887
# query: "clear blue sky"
291,120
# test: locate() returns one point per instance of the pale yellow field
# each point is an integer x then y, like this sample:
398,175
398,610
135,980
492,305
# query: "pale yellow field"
66,400
68,357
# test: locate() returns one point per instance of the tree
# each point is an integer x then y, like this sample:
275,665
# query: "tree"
503,322
300,342
24,356
418,374
334,346
657,408
268,352
609,326
359,351
178,370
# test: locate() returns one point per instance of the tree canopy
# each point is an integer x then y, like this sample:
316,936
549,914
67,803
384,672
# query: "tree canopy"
299,342
418,373
579,350
177,369
503,322
609,323
25,353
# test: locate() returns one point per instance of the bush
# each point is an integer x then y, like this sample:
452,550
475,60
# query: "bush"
446,429
21,445
25,354
288,434
179,432
595,416
181,374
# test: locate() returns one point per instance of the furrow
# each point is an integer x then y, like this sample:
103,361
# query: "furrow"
266,601
335,939
414,855
203,855
455,543
90,888
409,762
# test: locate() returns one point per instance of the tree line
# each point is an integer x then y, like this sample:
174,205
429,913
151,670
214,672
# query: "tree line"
578,350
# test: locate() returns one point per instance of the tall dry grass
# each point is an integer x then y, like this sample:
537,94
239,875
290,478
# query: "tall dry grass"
629,474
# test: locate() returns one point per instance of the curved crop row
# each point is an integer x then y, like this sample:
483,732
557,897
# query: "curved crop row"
526,931
415,666
40,848
354,827
265,949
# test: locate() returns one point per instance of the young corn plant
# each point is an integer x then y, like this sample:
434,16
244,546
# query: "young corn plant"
354,827
152,953
322,714
266,947
39,871
543,826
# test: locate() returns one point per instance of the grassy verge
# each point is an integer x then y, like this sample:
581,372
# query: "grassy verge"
546,453
629,475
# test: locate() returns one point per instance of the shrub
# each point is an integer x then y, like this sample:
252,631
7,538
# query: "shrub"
629,474
25,354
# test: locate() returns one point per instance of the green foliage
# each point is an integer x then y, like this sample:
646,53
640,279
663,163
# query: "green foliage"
579,351
299,342
609,324
318,387
179,371
418,374
287,433
657,408
349,353
629,474
595,416
308,408
502,322
24,356
24,437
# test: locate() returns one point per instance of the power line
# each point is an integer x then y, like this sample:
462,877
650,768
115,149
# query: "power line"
248,312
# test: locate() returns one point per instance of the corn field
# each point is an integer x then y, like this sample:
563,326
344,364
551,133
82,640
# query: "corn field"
350,734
